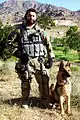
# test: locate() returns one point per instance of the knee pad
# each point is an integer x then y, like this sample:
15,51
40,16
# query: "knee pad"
25,84
42,77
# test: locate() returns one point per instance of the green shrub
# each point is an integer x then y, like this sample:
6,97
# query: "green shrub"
75,68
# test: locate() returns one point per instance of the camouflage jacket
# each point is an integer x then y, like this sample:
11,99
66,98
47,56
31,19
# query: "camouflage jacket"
15,38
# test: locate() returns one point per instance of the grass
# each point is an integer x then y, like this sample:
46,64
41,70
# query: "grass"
70,56
75,68
75,102
10,91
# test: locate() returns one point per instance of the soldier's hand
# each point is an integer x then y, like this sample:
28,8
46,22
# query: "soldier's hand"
48,64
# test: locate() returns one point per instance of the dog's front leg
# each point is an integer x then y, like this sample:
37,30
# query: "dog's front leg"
61,105
68,104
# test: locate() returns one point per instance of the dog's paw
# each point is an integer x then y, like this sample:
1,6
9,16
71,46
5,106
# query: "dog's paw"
62,112
68,112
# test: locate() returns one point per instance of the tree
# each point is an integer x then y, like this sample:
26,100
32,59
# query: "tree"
4,32
73,39
46,22
61,42
72,30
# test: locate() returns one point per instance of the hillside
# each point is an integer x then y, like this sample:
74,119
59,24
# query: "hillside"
14,10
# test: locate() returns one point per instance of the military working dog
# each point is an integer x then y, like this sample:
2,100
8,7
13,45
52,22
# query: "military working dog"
60,92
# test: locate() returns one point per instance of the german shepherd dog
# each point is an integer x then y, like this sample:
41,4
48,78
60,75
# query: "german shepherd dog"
60,92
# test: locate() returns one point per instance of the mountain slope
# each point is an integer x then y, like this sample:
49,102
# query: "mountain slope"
14,10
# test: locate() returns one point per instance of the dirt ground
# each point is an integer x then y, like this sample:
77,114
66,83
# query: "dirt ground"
10,97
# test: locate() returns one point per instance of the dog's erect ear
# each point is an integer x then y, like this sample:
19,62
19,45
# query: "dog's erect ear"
61,64
68,64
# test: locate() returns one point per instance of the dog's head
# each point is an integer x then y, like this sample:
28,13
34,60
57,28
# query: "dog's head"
64,73
65,69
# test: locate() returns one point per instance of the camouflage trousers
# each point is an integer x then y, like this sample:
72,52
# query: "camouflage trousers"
33,69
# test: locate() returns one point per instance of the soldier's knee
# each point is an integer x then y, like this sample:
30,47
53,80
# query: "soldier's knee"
42,77
25,84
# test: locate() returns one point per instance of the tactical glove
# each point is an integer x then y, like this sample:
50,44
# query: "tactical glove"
48,64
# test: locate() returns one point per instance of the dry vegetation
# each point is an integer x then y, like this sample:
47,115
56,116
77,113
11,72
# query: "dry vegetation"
10,94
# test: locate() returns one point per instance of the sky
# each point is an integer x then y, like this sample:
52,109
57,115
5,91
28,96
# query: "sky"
73,5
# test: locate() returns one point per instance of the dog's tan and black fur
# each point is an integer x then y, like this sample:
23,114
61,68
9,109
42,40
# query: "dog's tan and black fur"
60,92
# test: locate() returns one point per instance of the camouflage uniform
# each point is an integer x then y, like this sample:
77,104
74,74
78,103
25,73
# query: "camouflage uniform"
30,64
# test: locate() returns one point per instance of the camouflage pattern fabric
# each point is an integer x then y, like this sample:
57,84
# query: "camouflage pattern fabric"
33,70
28,67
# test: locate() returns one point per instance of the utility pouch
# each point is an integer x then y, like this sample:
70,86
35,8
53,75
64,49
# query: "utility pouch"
20,68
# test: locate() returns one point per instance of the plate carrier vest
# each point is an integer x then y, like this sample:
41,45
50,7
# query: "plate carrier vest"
32,43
